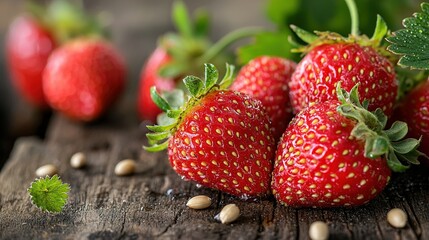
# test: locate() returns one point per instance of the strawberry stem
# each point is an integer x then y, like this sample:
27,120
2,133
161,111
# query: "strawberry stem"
226,41
354,17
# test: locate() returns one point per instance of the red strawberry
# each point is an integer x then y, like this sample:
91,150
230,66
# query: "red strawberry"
28,47
332,59
83,78
318,73
266,79
414,110
334,154
221,139
149,77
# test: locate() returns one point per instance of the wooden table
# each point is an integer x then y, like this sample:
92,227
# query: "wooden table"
151,203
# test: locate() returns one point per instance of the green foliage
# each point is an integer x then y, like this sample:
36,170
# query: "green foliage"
412,43
326,15
49,194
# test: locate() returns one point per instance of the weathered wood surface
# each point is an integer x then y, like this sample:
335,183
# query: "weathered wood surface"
151,203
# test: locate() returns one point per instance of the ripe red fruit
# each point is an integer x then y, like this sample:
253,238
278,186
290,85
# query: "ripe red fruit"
336,154
221,139
149,77
83,78
28,46
414,110
266,79
318,73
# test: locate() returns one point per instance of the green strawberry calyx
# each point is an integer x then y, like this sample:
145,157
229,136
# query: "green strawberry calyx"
175,110
319,38
66,21
370,128
190,46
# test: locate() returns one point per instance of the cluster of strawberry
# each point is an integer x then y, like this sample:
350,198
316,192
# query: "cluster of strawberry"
58,58
313,134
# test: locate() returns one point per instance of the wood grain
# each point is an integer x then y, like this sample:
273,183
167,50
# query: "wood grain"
151,203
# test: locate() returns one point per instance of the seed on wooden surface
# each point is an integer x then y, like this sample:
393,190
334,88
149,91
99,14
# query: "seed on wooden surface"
78,160
397,218
318,231
229,214
125,167
46,170
199,202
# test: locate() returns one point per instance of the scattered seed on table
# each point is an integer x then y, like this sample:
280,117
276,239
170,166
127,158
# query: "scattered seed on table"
318,231
199,202
125,167
46,170
229,214
397,218
78,160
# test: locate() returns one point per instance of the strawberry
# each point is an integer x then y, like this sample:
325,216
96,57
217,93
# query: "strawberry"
336,153
83,78
28,46
33,37
149,77
414,110
181,53
331,59
318,73
220,138
266,79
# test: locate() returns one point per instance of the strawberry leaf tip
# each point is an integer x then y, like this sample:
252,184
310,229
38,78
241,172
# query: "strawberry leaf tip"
412,42
198,88
49,194
379,142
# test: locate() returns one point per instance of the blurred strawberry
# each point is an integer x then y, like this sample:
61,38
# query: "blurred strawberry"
28,46
83,78
150,77
32,38
179,54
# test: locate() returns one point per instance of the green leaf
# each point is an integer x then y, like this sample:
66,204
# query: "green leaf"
380,31
380,146
201,23
412,157
394,163
406,145
381,117
304,35
181,18
161,128
157,147
211,75
174,113
49,194
157,136
361,131
397,131
158,100
412,43
263,45
276,10
194,84
228,78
